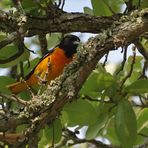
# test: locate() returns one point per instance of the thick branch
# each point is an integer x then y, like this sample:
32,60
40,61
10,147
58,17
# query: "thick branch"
56,22
73,22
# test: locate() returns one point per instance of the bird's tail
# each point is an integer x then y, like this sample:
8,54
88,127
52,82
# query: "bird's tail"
17,87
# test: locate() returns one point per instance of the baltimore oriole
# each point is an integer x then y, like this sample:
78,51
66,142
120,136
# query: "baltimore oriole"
51,65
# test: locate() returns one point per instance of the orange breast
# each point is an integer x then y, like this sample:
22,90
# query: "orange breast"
50,67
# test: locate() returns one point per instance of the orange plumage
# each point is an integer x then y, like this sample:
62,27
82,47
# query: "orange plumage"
51,66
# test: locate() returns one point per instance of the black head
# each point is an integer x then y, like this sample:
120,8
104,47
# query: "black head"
69,44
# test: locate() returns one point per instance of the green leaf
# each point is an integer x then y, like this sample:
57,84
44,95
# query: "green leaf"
5,80
115,5
53,39
25,95
33,7
43,141
144,43
139,86
106,7
10,51
144,4
53,131
2,36
144,131
88,10
100,8
91,87
134,77
80,113
20,128
142,125
97,82
28,67
142,120
138,63
140,140
111,133
103,115
125,124
27,4
98,125
6,4
94,129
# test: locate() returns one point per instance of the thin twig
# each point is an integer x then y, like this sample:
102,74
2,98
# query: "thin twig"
71,136
143,74
61,3
124,60
106,58
96,100
141,101
143,135
139,3
143,97
14,98
62,6
58,5
129,6
138,105
131,69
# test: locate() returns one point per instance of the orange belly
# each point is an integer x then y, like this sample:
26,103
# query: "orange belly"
49,68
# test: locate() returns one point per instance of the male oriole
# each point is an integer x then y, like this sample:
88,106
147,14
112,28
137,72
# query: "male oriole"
51,65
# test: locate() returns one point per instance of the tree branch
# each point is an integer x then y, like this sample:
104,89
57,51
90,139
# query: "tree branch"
69,135
45,108
56,22
65,88
72,21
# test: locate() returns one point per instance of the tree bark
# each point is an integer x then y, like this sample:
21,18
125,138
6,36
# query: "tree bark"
45,108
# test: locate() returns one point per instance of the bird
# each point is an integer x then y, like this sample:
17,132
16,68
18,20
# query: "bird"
50,66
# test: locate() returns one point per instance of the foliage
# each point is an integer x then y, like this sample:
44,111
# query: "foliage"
111,105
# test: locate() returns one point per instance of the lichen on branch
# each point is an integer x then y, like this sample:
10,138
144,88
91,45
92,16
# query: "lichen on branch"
45,108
